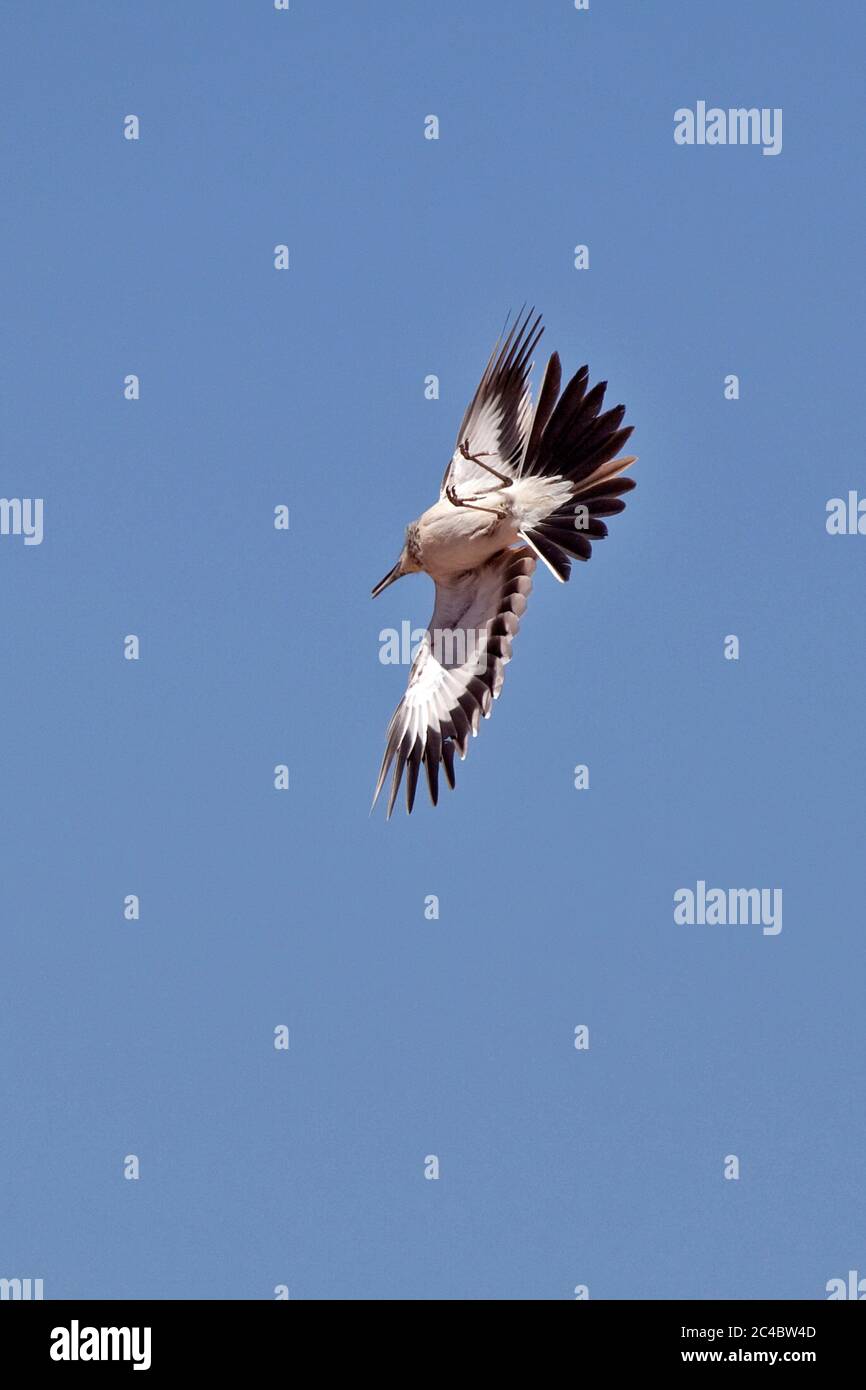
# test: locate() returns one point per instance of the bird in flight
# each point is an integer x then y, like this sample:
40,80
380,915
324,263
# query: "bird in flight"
525,483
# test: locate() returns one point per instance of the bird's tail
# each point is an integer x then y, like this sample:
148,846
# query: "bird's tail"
572,447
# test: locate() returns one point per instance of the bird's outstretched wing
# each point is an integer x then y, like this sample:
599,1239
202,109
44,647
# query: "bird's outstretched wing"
499,415
457,673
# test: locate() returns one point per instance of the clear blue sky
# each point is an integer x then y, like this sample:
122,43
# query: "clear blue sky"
410,1037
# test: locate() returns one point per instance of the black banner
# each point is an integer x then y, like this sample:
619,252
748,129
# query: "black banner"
154,1338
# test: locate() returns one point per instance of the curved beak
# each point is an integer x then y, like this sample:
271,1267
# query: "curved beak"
393,574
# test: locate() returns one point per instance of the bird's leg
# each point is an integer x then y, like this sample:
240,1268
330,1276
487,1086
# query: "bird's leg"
477,458
468,502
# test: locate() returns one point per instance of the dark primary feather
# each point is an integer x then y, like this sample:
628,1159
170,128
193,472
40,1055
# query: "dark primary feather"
577,439
578,442
547,394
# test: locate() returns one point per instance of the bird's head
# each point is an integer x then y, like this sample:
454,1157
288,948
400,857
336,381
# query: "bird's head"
408,563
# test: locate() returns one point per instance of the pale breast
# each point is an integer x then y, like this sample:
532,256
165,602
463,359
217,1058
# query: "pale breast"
453,539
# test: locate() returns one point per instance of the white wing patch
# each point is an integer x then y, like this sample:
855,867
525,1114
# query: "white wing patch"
498,418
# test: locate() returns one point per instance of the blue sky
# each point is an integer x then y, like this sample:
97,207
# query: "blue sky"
258,908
